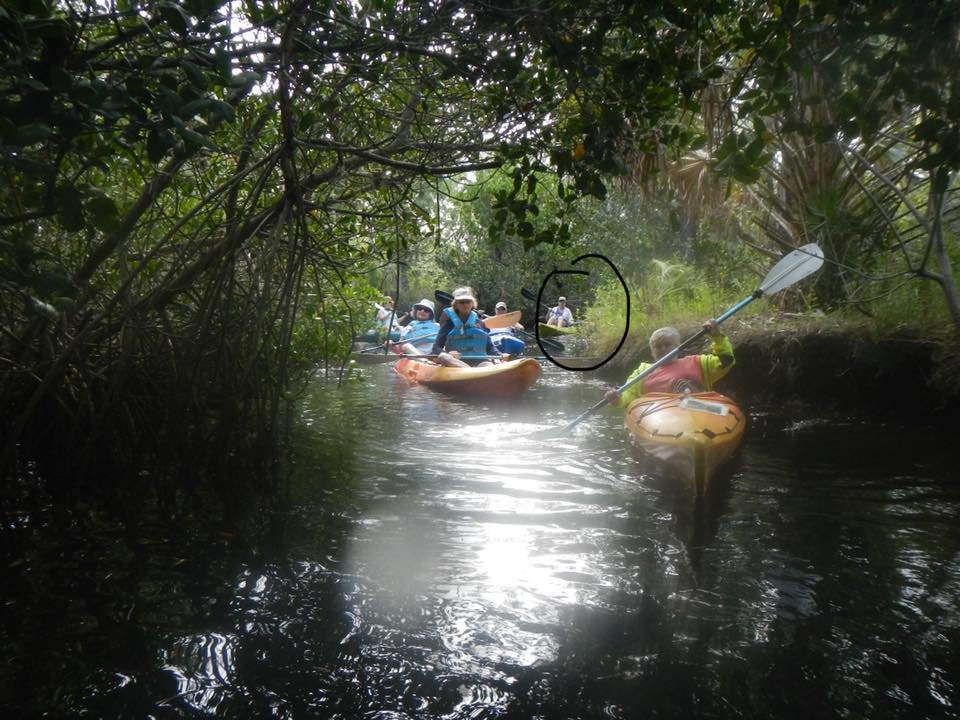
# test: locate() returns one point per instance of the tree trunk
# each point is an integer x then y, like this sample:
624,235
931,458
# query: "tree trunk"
948,282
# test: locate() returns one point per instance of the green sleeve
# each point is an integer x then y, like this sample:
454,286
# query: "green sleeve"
718,362
634,391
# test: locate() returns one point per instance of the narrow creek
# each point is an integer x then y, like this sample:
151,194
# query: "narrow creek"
428,559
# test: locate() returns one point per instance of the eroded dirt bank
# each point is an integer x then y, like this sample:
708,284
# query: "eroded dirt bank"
839,371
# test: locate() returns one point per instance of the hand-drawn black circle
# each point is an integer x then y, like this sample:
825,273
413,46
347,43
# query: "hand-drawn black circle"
626,327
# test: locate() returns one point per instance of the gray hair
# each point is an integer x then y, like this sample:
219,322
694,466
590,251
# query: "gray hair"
663,340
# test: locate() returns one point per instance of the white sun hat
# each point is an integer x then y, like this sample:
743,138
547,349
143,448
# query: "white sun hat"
463,293
425,304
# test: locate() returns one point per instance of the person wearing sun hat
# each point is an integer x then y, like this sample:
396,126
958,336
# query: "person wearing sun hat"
462,339
418,335
560,315
501,309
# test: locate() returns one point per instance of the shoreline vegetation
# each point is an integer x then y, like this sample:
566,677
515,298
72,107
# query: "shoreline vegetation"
197,207
843,366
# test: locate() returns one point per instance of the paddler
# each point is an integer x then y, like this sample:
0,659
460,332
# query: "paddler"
501,309
463,340
560,314
419,334
691,373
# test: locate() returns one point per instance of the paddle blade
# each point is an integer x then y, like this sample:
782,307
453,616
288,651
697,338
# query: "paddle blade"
792,268
528,294
498,322
443,298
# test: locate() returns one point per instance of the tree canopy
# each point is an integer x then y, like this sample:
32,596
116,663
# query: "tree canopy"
193,191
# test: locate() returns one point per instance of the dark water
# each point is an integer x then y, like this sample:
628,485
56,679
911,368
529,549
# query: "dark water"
430,561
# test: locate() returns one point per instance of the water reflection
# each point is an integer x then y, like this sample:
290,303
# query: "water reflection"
433,561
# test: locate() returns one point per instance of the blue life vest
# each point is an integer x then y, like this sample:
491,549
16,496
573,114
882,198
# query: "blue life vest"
421,334
505,342
466,337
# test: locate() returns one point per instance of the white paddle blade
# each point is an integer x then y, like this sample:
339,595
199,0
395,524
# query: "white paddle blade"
792,268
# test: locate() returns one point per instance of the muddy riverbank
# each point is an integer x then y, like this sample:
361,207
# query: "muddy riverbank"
843,370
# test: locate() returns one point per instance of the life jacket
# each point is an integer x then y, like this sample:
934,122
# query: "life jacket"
421,334
506,342
676,376
466,337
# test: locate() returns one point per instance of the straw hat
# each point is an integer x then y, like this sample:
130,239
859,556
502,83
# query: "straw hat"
463,293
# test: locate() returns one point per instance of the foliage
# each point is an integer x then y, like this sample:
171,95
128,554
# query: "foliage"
200,200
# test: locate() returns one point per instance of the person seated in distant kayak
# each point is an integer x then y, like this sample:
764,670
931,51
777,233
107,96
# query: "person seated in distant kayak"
462,339
419,334
501,309
691,373
560,315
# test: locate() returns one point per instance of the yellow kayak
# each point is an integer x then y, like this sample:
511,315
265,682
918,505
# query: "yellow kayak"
506,379
552,330
694,434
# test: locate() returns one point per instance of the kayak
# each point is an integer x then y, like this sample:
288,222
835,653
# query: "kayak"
693,434
507,379
552,330
371,358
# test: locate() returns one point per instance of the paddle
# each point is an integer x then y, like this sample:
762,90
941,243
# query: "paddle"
444,298
532,296
505,358
790,269
501,322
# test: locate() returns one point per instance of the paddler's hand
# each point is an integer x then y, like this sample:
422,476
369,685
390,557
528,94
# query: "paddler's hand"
613,397
713,330
454,354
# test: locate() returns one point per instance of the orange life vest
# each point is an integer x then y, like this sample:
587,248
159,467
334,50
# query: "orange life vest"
676,376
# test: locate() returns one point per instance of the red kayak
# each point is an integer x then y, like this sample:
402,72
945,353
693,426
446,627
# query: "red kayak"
506,379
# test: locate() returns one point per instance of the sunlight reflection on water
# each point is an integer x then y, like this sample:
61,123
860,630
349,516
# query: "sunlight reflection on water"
481,572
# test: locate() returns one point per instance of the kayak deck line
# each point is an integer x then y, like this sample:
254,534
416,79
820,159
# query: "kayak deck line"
693,434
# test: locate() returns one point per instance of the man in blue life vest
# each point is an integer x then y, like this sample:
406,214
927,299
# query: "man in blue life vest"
691,373
420,333
503,338
462,340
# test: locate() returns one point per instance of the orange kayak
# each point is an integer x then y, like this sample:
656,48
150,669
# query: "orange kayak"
692,434
507,379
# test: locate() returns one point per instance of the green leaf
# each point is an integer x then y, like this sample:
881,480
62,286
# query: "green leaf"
32,133
195,138
174,16
43,309
746,174
193,107
195,75
103,213
223,110
55,282
70,209
525,229
159,142
244,79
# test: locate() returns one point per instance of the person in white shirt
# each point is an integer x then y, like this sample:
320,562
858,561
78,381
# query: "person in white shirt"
560,315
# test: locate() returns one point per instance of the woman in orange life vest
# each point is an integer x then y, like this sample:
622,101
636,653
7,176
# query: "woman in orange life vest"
692,373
